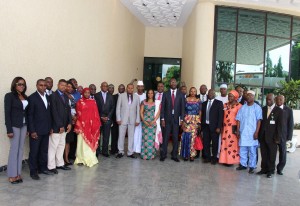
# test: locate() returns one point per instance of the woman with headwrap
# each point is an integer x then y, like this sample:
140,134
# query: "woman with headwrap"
229,154
88,129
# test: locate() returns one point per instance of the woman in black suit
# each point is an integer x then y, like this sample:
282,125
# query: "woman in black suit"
15,106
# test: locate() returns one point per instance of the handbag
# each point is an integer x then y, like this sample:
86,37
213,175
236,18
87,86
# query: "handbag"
198,143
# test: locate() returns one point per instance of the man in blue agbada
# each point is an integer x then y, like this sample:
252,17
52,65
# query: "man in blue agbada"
248,123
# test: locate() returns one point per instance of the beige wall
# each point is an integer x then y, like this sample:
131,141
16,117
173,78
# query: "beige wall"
163,42
91,40
197,53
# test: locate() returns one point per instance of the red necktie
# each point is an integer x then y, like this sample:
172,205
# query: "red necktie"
159,96
173,99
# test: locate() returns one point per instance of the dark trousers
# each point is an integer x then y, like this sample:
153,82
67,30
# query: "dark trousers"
114,138
105,129
172,127
282,155
268,152
208,138
73,147
38,155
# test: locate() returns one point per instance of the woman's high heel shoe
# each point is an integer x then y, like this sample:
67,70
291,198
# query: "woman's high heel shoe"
19,179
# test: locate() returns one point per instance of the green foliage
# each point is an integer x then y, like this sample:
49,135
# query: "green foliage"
173,72
224,71
295,60
291,91
297,126
273,71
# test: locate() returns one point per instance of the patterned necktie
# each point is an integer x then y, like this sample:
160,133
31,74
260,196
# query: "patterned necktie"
173,99
63,98
207,110
202,98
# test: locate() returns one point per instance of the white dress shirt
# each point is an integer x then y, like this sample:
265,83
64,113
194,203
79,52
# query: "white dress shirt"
44,99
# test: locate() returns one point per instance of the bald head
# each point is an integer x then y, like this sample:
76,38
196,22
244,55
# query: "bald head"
270,99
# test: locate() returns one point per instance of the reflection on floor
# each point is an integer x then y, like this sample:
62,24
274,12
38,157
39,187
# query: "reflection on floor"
131,182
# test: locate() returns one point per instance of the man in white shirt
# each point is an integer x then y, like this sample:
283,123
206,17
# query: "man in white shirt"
203,90
49,85
160,91
223,97
138,129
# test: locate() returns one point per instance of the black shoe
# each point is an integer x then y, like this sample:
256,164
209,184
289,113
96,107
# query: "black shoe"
162,159
279,172
251,170
80,164
20,180
68,164
214,162
132,156
105,155
241,167
228,165
54,171
206,161
261,172
47,172
185,159
175,159
63,168
269,175
35,177
119,155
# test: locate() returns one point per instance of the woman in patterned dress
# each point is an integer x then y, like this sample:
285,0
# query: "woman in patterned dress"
190,126
148,118
229,154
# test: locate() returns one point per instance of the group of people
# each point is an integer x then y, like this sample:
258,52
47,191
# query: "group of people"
66,124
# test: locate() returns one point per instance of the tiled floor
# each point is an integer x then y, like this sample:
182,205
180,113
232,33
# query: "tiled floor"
139,182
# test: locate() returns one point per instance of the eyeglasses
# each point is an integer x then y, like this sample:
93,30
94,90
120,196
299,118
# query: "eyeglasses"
20,84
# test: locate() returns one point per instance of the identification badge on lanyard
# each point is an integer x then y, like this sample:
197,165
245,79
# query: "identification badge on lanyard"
272,122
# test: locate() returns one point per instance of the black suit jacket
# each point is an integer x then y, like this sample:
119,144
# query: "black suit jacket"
105,109
288,123
271,132
39,117
14,112
216,114
115,97
60,111
166,107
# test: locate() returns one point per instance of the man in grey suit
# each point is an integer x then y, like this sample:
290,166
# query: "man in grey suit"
128,116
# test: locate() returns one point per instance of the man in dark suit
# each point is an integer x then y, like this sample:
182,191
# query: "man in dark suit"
106,105
270,135
115,127
212,122
61,124
288,127
39,127
172,114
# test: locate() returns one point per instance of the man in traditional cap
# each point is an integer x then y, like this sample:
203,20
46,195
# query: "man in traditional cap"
138,129
248,124
223,96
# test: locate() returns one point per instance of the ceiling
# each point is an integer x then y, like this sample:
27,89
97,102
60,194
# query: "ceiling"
161,13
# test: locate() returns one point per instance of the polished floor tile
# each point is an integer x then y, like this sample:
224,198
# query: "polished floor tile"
132,182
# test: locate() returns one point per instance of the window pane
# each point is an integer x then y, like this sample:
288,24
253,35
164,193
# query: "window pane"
277,61
295,59
279,25
250,56
296,28
225,57
227,19
252,22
